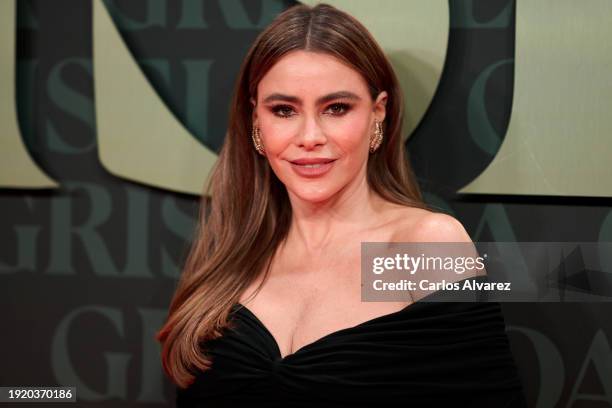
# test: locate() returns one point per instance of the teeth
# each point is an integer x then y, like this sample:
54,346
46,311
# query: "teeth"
312,165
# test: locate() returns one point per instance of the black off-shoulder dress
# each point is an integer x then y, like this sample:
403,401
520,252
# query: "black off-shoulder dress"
429,354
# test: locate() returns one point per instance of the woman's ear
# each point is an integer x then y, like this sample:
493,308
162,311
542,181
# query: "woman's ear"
380,106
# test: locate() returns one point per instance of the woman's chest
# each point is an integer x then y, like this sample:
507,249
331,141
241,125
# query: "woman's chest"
307,299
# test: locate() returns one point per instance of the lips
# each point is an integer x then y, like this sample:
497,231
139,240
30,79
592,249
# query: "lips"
313,160
312,167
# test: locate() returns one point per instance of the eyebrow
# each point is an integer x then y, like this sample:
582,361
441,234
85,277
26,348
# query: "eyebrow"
322,99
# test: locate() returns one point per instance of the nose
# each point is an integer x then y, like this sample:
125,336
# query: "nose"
311,135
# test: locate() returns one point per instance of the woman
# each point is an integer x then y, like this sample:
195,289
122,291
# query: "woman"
267,310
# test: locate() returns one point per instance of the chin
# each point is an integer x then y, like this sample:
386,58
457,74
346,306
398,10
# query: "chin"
313,195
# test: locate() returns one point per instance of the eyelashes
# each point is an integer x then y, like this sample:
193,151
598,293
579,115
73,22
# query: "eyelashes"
335,109
340,108
282,111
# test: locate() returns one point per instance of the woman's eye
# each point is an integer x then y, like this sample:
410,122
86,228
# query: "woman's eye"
283,111
338,109
286,111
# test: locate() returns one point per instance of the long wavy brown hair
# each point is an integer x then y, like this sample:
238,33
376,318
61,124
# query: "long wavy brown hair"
245,211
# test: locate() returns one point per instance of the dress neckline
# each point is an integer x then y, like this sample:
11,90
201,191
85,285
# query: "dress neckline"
405,309
281,358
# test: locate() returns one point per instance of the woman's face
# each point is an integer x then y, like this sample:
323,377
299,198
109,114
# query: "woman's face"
313,108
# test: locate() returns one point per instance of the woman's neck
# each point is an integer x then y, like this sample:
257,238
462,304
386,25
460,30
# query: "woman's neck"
316,226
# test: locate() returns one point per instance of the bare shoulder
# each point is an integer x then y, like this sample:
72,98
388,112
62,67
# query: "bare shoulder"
420,225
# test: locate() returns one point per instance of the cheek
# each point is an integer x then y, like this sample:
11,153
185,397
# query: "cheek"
350,136
277,136
276,133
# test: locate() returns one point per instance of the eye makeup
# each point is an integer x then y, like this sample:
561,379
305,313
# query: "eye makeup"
334,109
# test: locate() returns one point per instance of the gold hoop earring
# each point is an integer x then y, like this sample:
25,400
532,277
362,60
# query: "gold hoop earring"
376,141
257,140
